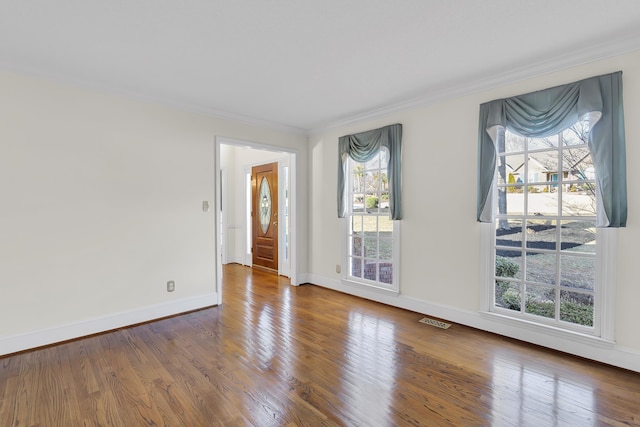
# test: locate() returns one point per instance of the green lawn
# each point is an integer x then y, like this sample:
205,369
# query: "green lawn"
371,228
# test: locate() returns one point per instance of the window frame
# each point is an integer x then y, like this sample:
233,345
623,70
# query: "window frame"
604,282
347,278
605,293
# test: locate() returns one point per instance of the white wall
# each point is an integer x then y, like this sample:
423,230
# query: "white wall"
440,239
101,205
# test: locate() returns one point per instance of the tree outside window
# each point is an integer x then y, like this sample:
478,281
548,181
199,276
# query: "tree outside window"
545,238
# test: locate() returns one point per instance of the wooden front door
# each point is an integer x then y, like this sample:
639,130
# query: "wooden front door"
264,214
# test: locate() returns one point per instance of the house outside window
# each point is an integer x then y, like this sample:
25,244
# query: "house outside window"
545,241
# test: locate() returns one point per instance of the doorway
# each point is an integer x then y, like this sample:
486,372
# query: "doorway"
234,160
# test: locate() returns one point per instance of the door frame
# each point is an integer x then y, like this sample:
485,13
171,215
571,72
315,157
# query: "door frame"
292,155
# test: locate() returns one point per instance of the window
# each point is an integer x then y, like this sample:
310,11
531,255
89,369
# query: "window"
552,193
372,235
369,197
545,239
248,259
284,253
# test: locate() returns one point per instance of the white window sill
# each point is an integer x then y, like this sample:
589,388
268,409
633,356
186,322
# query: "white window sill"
564,334
370,287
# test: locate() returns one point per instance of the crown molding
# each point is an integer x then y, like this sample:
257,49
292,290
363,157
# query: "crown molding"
628,43
447,90
153,100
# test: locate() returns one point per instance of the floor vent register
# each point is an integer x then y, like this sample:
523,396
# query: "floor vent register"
436,323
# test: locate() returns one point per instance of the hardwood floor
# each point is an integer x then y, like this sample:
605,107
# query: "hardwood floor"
277,355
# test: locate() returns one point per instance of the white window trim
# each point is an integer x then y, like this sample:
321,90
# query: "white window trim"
394,288
608,255
346,279
603,331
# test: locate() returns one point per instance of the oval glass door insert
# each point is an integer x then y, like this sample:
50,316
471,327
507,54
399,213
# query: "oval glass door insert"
265,205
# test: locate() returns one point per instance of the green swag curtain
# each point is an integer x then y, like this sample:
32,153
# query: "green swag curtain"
550,111
362,147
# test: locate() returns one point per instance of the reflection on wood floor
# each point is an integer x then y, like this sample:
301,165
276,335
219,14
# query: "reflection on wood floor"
277,355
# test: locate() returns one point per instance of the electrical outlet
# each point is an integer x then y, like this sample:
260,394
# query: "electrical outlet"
338,268
171,286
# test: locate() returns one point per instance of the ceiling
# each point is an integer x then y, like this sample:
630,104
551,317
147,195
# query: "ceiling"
305,64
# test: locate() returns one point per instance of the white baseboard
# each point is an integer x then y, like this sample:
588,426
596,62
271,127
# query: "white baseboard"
579,345
42,337
304,278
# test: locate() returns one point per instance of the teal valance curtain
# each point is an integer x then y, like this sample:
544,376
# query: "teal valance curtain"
548,112
362,147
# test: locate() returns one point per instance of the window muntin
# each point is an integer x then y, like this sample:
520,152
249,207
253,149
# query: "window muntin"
371,248
545,240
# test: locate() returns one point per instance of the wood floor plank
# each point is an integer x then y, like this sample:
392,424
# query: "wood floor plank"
277,355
